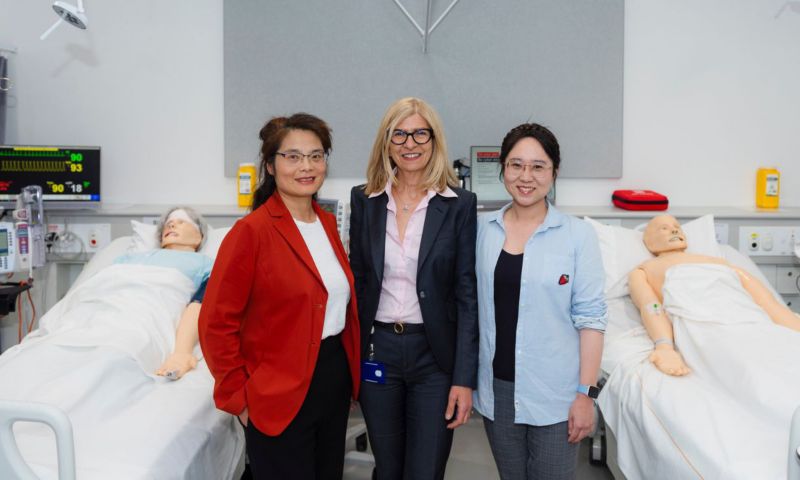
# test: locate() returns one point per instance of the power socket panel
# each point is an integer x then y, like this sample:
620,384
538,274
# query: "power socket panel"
768,241
787,280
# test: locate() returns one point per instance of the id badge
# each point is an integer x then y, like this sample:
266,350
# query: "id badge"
373,372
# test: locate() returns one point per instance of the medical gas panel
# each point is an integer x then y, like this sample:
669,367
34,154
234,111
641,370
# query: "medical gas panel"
67,175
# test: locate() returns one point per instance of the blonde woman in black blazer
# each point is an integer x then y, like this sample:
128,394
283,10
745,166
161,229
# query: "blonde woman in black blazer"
412,251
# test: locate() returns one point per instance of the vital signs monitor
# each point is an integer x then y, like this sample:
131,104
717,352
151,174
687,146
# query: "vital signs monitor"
69,176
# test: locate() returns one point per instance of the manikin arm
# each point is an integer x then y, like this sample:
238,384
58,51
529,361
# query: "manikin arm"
182,358
657,324
778,312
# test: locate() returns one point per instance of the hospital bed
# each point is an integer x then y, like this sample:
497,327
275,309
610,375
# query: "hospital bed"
127,424
654,426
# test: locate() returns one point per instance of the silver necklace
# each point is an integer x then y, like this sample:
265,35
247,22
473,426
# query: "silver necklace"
407,206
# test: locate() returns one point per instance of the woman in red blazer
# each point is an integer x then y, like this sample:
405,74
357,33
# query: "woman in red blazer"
279,326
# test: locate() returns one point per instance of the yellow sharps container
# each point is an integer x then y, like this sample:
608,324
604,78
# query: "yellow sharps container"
245,184
768,187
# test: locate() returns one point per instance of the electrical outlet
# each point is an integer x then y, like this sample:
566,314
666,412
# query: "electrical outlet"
788,280
768,241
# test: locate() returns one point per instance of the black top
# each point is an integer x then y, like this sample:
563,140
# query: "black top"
507,275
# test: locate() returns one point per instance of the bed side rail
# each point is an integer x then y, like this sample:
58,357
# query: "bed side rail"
12,465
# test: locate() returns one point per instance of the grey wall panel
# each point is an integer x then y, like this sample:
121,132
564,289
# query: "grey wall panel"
490,66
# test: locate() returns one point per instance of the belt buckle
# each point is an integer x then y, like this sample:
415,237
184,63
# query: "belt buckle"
398,328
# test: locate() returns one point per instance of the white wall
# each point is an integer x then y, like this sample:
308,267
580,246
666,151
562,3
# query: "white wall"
144,83
712,92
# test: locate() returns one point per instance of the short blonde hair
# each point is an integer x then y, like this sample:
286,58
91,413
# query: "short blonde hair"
380,169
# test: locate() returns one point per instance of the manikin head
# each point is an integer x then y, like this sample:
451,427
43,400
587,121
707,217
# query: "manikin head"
182,228
664,234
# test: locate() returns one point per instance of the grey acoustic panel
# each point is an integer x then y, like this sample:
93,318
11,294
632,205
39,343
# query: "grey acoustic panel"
490,66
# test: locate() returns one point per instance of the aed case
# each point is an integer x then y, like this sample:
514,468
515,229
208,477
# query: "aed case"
639,200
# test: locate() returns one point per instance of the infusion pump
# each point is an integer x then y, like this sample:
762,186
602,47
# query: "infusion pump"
19,247
8,247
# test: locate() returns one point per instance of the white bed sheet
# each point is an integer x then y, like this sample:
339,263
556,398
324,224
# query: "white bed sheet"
128,423
713,423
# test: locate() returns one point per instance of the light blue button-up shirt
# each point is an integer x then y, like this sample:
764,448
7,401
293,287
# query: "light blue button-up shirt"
561,292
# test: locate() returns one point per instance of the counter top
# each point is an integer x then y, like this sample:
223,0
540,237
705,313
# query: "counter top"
609,211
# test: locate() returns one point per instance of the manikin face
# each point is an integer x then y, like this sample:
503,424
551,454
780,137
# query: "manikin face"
411,156
180,234
664,234
303,177
528,174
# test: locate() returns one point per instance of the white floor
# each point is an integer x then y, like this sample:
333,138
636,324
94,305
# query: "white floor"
471,458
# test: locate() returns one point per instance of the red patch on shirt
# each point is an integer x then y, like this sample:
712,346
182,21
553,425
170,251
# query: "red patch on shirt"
564,279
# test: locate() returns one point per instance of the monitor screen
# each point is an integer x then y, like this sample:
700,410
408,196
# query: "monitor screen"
3,243
69,176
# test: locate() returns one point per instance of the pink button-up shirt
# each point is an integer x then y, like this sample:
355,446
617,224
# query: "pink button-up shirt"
399,302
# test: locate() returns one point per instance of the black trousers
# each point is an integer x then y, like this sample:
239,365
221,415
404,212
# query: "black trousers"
312,446
405,415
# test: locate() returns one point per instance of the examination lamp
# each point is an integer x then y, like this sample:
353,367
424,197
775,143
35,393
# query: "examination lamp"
74,15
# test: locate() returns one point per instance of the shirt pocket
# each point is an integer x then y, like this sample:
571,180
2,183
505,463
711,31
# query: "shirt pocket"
557,276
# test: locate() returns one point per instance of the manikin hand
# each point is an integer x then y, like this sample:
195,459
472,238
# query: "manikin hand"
581,418
669,361
180,363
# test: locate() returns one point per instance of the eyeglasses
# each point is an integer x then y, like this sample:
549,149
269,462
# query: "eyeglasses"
421,136
316,157
515,167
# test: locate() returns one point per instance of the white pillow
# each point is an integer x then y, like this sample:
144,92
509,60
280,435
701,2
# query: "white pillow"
145,237
214,239
623,249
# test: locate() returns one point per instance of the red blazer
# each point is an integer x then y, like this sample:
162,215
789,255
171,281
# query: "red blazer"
261,320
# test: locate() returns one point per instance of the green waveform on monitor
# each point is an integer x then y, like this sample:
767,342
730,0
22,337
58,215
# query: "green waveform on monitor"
46,153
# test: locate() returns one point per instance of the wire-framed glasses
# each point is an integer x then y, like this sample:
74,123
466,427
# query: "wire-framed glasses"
294,157
515,167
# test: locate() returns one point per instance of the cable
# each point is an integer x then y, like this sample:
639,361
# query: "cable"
21,314
33,310
19,318
63,242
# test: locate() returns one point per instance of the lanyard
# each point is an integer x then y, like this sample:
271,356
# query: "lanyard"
371,356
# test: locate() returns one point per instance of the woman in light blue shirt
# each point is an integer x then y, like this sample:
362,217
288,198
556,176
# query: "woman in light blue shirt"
542,314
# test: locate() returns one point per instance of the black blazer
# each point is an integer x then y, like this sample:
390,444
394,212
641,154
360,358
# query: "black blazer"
446,283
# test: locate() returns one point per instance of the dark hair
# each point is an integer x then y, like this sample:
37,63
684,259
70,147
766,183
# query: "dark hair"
272,135
537,132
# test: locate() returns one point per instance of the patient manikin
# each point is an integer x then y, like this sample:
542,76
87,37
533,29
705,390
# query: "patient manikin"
181,233
664,238
96,352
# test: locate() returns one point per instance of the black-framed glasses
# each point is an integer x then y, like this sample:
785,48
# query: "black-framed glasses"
421,136
294,157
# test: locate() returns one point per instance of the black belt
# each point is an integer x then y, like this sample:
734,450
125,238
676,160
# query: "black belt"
400,328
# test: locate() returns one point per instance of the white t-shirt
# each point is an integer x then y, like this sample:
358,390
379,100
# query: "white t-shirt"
332,275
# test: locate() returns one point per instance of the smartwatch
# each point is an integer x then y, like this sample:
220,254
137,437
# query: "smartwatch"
589,390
